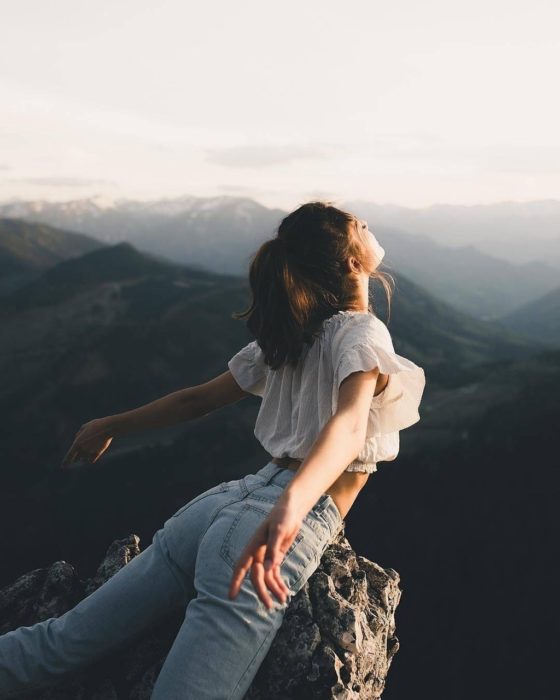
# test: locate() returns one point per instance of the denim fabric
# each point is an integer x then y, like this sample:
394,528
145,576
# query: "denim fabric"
189,565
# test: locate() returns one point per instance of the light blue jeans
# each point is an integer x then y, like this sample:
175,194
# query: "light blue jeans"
189,564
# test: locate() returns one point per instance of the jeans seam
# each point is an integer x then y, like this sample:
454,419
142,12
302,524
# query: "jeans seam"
320,506
220,508
265,499
166,556
272,630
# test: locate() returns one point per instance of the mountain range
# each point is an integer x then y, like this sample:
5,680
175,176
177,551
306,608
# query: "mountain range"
220,234
520,232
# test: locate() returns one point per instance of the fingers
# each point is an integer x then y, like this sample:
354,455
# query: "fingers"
89,449
273,580
69,457
263,579
274,556
267,579
276,576
257,577
74,455
274,551
242,567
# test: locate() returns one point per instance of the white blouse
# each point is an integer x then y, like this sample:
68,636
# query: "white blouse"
298,401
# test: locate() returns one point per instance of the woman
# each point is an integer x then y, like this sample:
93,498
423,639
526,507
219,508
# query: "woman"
334,397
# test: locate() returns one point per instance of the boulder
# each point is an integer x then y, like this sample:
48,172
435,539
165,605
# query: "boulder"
337,639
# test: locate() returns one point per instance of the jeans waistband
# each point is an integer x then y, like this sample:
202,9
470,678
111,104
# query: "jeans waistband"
273,473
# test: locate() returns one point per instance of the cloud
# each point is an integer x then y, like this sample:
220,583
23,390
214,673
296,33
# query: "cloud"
5,166
54,181
263,156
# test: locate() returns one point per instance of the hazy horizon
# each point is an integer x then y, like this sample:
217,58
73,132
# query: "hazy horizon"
107,199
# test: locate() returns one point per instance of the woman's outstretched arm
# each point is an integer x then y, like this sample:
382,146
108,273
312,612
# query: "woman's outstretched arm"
95,436
178,407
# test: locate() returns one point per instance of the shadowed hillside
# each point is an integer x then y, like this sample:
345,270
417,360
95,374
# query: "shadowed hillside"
539,319
27,249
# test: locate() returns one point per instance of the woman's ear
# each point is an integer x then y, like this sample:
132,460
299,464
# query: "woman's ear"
353,265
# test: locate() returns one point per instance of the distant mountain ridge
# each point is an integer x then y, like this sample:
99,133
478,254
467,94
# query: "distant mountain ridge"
516,231
221,233
471,281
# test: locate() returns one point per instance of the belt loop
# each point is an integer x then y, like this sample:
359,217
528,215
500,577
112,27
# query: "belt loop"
251,482
274,474
322,503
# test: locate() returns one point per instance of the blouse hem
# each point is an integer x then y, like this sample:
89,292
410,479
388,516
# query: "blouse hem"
357,466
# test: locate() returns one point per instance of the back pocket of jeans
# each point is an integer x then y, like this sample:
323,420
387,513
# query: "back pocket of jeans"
242,529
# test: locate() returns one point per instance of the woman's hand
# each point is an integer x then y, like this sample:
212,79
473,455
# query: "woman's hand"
91,441
265,552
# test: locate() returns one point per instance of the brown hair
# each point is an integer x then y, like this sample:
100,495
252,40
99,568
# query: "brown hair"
299,278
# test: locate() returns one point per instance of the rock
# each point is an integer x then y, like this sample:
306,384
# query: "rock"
337,639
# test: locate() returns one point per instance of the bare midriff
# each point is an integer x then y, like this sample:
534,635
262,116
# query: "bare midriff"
346,488
343,491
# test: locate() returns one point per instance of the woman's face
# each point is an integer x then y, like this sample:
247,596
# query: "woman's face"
374,249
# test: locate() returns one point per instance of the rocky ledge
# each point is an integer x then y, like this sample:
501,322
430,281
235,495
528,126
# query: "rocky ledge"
337,639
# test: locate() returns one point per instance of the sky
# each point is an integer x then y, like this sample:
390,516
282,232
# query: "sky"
403,102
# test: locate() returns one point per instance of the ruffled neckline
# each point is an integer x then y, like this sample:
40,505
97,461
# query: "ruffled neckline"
345,312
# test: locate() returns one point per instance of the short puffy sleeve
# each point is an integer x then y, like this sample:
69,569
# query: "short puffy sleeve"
363,344
249,369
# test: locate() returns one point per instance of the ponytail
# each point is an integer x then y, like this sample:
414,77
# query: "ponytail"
299,278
